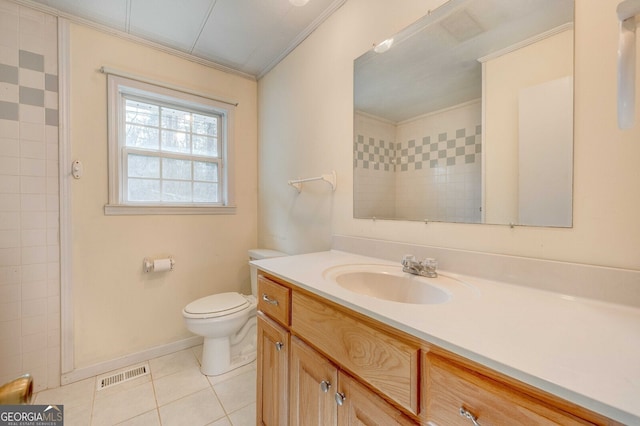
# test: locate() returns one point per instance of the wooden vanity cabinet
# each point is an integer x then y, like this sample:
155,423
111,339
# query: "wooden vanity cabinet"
321,363
323,395
384,361
298,385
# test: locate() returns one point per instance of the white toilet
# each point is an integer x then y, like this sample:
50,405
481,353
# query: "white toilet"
227,321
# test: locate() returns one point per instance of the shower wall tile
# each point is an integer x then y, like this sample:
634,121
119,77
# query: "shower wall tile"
9,74
33,220
9,220
9,93
437,155
33,149
10,312
31,114
31,131
10,185
8,110
30,61
29,205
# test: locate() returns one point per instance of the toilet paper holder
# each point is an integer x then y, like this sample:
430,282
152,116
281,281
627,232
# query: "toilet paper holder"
158,265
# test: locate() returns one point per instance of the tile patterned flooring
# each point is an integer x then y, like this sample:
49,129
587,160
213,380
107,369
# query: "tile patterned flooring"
175,393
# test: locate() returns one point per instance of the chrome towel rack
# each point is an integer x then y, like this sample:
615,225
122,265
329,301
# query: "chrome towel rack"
330,178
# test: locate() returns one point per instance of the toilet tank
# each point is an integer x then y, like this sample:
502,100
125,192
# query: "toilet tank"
257,254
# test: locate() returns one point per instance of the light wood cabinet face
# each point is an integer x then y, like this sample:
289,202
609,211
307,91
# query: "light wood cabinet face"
313,386
273,373
450,388
383,361
313,403
363,407
385,376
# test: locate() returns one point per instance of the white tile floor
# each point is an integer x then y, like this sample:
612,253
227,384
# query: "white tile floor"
175,393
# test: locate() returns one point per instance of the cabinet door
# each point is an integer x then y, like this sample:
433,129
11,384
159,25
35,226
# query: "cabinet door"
273,357
360,406
312,388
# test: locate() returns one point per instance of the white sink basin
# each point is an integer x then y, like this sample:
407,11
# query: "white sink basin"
390,283
392,287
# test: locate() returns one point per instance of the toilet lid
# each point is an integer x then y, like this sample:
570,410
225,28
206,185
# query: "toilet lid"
218,304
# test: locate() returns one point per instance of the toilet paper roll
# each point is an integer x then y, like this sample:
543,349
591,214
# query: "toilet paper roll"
161,265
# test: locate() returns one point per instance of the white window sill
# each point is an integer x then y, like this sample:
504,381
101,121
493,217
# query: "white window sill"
123,210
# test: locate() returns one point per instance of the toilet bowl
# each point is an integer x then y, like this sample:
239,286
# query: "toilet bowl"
227,321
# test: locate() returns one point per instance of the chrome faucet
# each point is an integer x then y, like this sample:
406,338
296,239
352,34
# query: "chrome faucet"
425,268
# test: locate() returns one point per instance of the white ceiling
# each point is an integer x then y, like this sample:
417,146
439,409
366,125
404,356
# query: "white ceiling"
439,54
249,36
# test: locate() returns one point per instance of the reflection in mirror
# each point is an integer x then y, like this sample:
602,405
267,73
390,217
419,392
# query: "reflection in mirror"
467,116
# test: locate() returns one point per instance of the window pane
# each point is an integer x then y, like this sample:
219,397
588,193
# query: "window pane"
169,149
205,192
142,166
176,169
143,190
175,142
142,137
204,125
176,119
203,171
176,191
203,145
141,113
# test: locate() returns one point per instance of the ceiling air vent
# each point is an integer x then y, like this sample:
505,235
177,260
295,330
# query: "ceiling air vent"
130,373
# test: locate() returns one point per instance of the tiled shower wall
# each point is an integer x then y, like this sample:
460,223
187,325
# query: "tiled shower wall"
29,200
431,172
374,168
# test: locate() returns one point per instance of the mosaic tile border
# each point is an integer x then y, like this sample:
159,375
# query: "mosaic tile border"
11,76
377,155
462,146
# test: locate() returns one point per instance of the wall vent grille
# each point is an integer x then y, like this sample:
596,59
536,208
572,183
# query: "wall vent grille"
130,373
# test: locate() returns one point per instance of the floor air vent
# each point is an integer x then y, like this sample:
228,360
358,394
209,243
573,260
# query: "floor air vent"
122,376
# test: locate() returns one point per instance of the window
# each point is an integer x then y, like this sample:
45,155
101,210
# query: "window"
169,151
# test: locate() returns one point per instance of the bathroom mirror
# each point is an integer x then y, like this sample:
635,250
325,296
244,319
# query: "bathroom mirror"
467,116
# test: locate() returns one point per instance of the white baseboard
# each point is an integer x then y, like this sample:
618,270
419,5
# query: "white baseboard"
114,364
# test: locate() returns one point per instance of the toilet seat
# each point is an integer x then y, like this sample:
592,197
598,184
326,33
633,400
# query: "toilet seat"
217,305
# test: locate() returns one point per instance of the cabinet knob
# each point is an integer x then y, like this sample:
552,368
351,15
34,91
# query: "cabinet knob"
469,415
340,398
269,300
279,346
324,386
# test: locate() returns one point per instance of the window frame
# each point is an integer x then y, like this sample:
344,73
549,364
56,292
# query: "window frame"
118,88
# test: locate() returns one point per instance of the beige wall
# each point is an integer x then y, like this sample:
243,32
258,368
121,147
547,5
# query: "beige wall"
118,309
306,128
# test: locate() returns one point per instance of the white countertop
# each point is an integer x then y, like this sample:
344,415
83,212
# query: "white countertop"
584,351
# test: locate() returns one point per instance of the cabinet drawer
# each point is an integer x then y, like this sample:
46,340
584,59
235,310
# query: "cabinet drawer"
274,300
450,388
386,363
